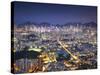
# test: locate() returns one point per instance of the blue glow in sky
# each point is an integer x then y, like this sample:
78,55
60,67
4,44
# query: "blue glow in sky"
53,13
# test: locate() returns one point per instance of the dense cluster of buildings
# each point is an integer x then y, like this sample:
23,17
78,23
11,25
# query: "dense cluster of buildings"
54,47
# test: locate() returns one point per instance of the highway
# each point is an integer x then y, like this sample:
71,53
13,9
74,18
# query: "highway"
63,46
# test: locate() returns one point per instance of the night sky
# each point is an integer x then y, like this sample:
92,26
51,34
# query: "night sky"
53,13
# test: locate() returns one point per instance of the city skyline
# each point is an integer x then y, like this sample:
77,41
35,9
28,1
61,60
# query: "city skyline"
53,37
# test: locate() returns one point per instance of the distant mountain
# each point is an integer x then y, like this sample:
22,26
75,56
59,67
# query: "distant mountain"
46,24
93,24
